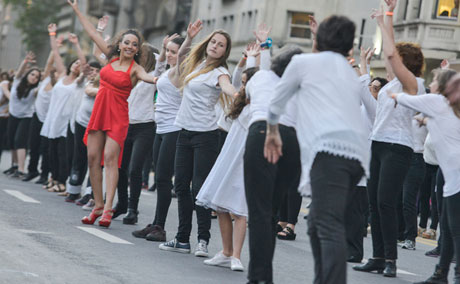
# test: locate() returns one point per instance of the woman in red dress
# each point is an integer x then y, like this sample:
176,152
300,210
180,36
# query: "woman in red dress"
108,125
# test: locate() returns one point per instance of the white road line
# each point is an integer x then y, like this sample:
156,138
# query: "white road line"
34,232
105,236
146,193
21,196
25,273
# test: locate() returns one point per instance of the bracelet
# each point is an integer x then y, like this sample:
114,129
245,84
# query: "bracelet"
100,30
267,43
389,13
52,34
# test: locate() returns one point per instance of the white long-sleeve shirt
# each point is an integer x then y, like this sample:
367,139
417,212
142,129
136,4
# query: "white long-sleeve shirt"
444,128
326,90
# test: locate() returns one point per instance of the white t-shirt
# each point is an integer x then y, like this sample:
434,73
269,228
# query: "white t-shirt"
428,152
3,108
419,134
260,90
141,103
24,107
394,124
444,128
197,110
85,109
42,102
168,103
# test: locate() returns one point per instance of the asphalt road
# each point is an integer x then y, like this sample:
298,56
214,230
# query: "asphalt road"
43,241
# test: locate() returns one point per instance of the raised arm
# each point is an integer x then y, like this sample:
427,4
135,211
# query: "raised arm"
365,60
261,35
192,31
429,104
314,30
58,62
97,53
89,28
166,40
29,59
391,4
49,65
238,71
253,51
4,87
74,40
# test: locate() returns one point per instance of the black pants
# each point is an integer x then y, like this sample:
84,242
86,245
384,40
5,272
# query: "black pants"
411,188
440,199
58,159
69,145
196,153
427,192
265,185
389,166
450,226
139,141
164,153
3,133
356,220
79,161
18,132
38,146
290,206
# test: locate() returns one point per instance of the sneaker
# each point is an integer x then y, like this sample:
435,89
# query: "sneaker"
433,253
82,201
429,234
72,197
157,234
236,264
89,206
201,249
408,244
144,232
219,260
175,246
10,170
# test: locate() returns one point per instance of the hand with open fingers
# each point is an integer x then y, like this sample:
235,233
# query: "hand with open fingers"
369,55
254,50
313,25
378,15
445,64
194,29
30,57
262,32
363,53
73,38
59,40
52,28
391,4
73,4
273,146
168,38
102,23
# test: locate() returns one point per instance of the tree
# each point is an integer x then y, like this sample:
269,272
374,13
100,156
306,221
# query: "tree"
33,19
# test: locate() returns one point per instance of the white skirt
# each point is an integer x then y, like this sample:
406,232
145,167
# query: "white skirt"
223,189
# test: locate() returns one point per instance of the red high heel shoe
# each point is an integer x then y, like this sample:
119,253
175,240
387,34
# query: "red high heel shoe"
96,213
106,218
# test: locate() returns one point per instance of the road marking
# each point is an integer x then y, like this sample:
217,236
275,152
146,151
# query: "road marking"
34,232
25,273
428,242
21,196
105,236
146,193
405,272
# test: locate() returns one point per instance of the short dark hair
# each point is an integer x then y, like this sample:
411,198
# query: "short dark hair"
336,34
95,64
381,80
69,66
282,59
178,40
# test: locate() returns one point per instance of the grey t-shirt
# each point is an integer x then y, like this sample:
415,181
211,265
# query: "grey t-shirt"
21,107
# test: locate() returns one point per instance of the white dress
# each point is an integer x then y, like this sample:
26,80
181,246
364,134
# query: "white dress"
223,189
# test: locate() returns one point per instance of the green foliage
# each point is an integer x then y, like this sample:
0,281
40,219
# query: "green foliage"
33,19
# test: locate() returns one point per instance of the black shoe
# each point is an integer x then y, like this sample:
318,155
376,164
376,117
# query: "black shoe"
82,201
42,180
18,174
434,252
131,217
144,232
10,170
354,259
371,265
30,176
439,277
390,269
71,198
152,188
119,209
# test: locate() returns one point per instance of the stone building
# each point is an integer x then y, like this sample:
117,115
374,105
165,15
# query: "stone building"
11,49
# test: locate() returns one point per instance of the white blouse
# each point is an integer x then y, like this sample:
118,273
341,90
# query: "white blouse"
197,111
42,102
168,103
326,91
21,107
444,128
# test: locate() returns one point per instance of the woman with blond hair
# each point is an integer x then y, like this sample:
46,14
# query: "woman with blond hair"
205,76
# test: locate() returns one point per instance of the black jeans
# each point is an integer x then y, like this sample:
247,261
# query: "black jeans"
58,159
37,147
389,166
290,206
412,185
79,161
440,199
18,132
69,145
427,192
164,153
196,153
3,133
139,141
450,226
356,220
265,185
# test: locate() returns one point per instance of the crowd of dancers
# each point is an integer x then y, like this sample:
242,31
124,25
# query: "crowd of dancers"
248,145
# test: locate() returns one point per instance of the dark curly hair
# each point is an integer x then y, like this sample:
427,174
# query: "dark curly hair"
412,57
24,87
114,51
241,100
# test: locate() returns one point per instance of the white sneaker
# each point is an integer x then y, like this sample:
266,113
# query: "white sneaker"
219,260
236,264
201,249
89,206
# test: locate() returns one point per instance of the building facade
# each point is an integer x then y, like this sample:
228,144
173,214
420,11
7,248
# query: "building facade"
11,48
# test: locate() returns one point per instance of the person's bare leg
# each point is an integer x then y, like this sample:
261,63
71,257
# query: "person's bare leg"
226,232
96,142
239,233
21,159
14,157
111,153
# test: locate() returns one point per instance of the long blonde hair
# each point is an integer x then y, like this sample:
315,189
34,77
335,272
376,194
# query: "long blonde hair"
198,54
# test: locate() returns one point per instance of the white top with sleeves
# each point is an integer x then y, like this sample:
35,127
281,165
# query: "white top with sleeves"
428,152
4,107
419,133
197,110
168,103
141,100
85,109
369,102
444,128
60,110
21,107
77,100
42,103
394,124
326,92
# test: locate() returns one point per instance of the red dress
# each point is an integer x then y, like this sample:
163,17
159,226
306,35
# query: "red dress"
110,111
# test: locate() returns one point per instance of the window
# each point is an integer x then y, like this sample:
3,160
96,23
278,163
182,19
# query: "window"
447,9
299,26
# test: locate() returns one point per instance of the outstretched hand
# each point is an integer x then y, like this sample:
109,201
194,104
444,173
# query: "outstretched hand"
378,15
168,38
391,4
262,32
73,4
52,28
369,55
253,49
445,64
30,57
313,25
73,38
59,40
102,23
194,29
